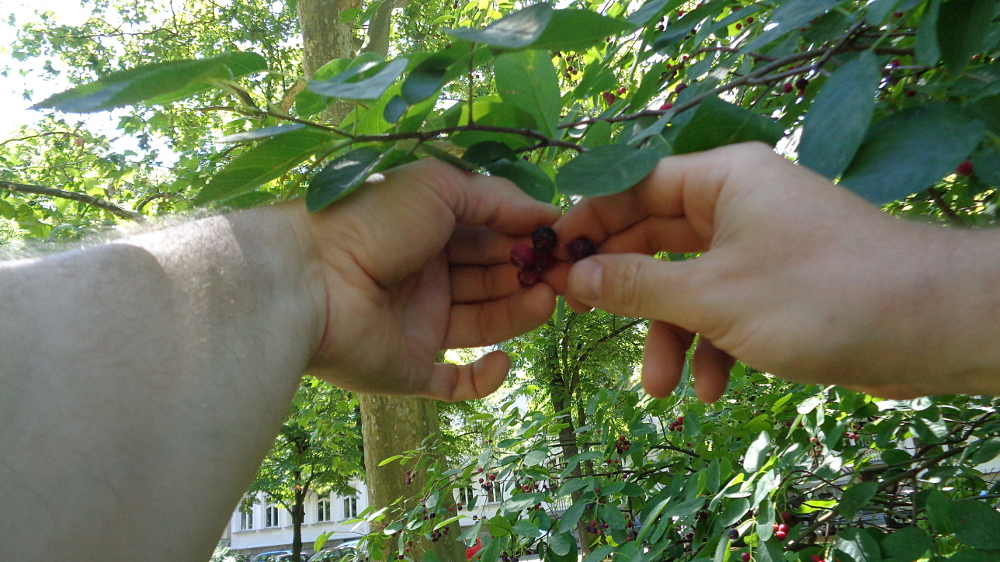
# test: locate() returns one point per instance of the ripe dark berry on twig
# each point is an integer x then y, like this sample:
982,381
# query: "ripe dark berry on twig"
581,248
544,239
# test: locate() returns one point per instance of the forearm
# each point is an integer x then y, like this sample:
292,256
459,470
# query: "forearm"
143,381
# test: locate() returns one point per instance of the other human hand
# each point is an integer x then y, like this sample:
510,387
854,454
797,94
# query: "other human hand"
798,277
416,262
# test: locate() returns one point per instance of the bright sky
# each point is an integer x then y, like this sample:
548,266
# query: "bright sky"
15,112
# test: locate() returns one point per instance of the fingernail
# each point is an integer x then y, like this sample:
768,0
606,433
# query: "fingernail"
587,276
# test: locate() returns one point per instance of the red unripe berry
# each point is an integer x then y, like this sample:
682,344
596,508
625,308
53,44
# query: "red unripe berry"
787,87
521,256
680,13
750,19
680,419
816,558
781,535
745,557
965,169
492,477
911,93
666,106
782,528
544,239
786,516
621,90
739,26
897,15
680,87
580,248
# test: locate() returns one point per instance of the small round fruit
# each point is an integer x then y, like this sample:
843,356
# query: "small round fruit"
621,90
522,256
781,535
666,106
745,557
734,534
580,248
965,169
544,239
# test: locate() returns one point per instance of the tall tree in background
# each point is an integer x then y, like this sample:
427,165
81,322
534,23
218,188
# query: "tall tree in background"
318,450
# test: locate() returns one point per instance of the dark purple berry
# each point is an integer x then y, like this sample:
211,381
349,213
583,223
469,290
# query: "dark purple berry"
801,83
522,256
544,239
580,248
734,534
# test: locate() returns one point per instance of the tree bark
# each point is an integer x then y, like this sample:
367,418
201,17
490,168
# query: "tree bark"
324,37
392,425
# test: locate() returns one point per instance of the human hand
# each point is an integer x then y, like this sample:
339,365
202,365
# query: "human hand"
415,263
798,277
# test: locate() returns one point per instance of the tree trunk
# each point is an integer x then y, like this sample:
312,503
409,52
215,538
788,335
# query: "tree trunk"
298,517
324,38
392,425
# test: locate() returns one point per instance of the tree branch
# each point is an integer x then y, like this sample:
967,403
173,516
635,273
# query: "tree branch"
63,194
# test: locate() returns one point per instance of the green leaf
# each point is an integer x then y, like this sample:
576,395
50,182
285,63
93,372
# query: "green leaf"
879,10
535,457
599,554
571,486
734,512
526,529
962,27
341,176
859,545
515,31
561,543
771,551
987,165
427,77
926,43
976,524
153,81
579,30
605,170
757,452
527,79
717,123
652,9
856,497
907,544
837,121
265,133
487,152
527,176
394,109
680,509
910,151
939,512
571,516
765,521
895,456
362,82
262,163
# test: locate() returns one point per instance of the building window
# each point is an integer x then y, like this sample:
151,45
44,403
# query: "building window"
246,519
271,516
465,497
494,494
323,510
350,508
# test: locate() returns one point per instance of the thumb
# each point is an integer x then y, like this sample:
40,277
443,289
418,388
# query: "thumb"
636,285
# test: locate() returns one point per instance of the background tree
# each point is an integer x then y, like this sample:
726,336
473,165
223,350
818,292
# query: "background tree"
318,450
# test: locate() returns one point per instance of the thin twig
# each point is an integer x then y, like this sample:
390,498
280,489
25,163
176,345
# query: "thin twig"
81,197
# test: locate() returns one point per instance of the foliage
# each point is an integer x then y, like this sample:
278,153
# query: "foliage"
317,450
898,100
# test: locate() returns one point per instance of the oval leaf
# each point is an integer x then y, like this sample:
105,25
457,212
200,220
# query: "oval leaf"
363,82
911,150
515,31
266,132
606,170
579,30
839,117
976,524
527,176
341,176
717,123
154,81
906,545
527,79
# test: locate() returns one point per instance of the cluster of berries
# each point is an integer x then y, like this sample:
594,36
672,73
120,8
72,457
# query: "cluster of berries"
677,424
596,527
509,558
622,445
487,483
535,260
439,534
409,478
781,531
402,556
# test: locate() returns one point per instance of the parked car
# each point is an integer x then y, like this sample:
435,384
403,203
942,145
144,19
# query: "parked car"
348,551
